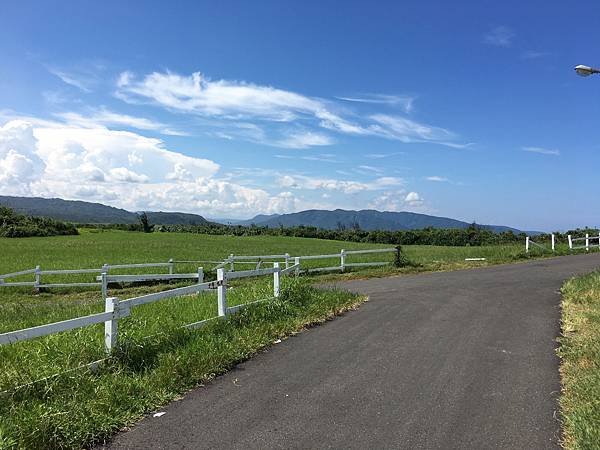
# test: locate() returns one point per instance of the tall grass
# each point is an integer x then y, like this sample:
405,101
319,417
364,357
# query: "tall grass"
579,352
86,407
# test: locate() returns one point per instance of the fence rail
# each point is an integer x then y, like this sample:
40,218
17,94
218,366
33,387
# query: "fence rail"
116,309
588,242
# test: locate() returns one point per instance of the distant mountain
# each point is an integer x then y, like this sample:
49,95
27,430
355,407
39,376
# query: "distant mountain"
87,212
367,219
175,218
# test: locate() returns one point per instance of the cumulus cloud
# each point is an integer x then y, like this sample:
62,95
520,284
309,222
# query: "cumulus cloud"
413,199
121,168
19,163
398,200
331,184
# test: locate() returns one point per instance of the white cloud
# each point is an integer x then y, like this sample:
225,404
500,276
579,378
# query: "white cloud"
382,155
19,163
107,118
304,140
500,36
541,150
124,174
407,130
233,101
72,79
330,184
404,101
413,199
436,178
124,169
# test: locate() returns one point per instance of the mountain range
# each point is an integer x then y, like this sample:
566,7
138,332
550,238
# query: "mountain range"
366,219
87,212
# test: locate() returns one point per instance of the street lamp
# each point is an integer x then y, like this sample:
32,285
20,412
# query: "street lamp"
585,71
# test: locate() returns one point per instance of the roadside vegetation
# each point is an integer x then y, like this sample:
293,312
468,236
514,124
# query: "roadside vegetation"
14,225
85,407
579,352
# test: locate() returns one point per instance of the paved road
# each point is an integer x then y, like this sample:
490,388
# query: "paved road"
449,360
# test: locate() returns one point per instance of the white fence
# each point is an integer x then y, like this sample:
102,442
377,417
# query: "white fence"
38,273
529,242
116,309
587,242
228,262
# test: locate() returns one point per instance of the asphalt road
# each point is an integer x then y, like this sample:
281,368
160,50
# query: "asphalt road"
450,360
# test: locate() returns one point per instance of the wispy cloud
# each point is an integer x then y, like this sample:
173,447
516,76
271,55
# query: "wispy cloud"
382,155
275,109
104,117
437,179
531,54
541,150
81,83
404,101
304,140
500,36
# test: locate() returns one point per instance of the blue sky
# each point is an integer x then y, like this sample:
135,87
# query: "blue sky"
470,110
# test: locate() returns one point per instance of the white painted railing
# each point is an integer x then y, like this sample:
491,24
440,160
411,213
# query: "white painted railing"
231,260
228,263
116,309
529,242
106,268
588,242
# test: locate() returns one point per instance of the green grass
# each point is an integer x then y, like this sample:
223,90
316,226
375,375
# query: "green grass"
579,352
85,407
82,407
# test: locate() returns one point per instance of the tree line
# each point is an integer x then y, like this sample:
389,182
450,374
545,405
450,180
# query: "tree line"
19,225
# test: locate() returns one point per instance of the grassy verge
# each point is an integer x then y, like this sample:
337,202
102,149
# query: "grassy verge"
580,362
86,407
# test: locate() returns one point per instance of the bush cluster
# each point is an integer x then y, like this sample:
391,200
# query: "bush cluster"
18,225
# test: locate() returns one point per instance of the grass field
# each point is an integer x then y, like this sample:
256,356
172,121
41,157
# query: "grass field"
580,362
55,414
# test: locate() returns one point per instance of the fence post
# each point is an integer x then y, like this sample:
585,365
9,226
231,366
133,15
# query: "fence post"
287,260
105,268
587,242
104,279
222,292
570,242
342,259
598,240
111,327
553,242
231,264
38,278
276,279
297,264
200,275
171,266
527,244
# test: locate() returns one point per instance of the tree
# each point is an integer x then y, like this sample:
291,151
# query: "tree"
146,223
